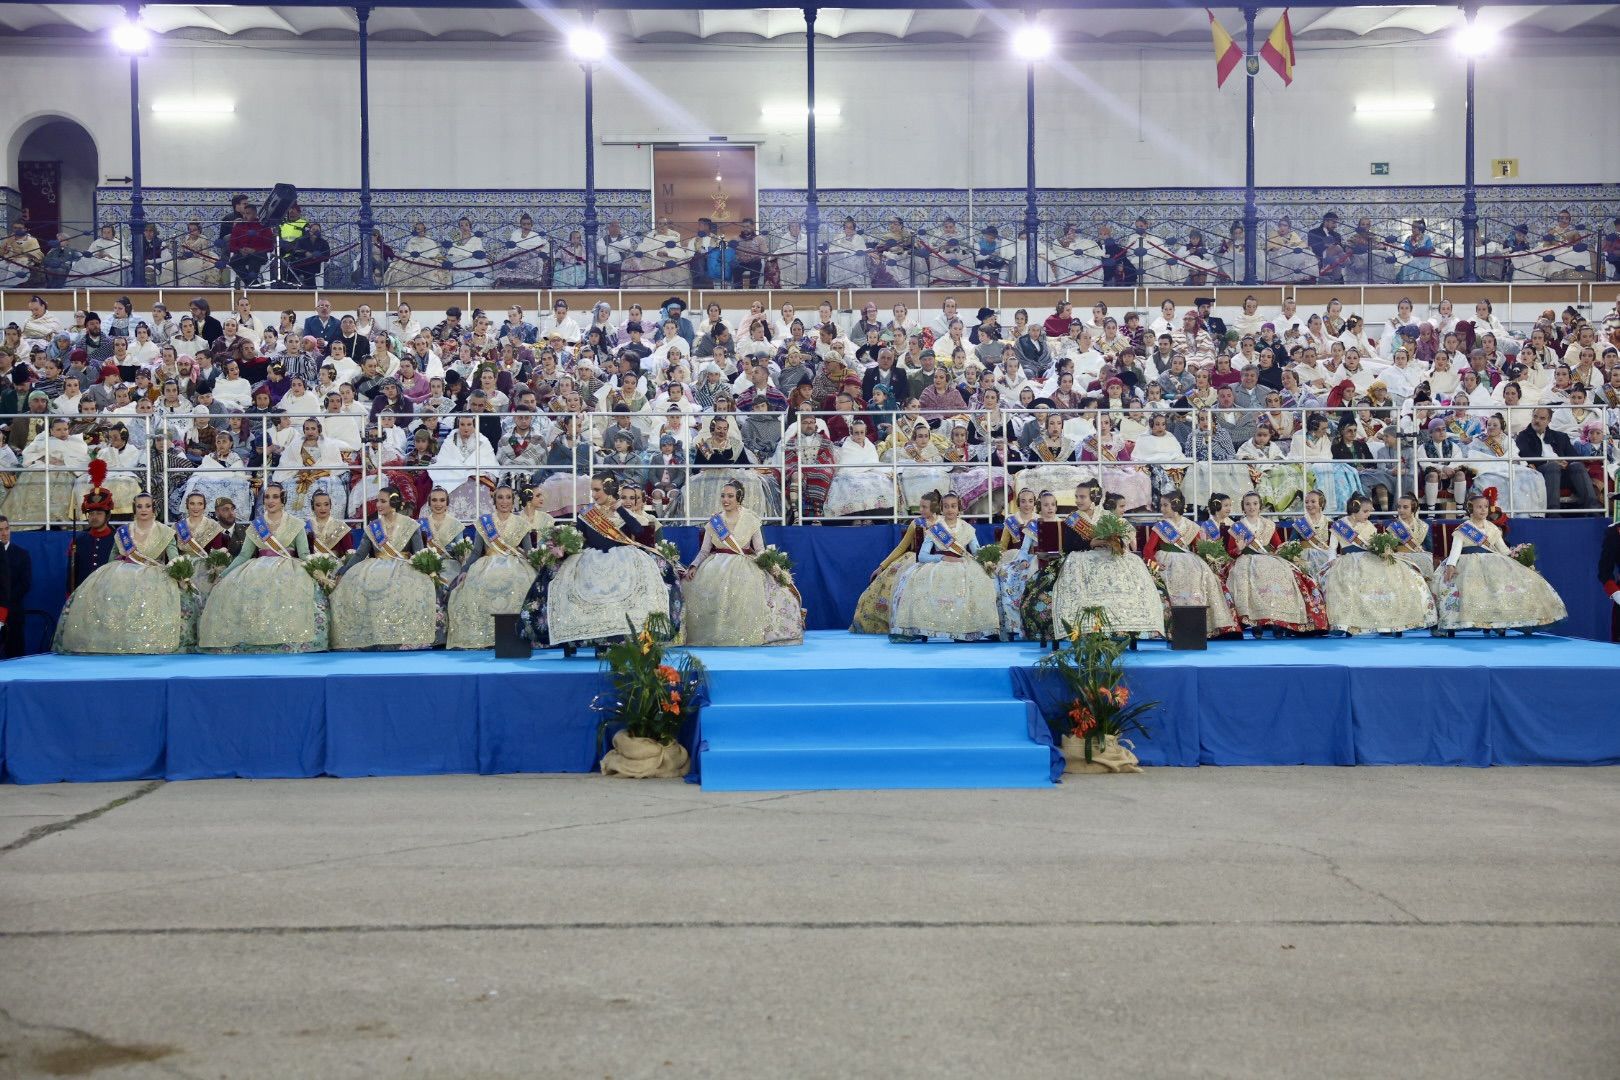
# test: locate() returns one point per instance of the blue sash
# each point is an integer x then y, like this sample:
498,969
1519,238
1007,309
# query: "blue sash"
1346,531
427,531
379,535
183,531
1167,532
1402,533
1472,533
261,529
1015,528
1244,534
1211,530
718,524
1073,521
942,536
487,523
921,523
1303,528
125,541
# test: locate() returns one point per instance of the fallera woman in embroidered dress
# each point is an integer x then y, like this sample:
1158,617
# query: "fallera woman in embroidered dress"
1188,578
382,602
130,605
195,536
1268,591
1314,529
948,594
1482,587
1100,574
498,575
1417,541
872,610
1368,593
1018,563
730,600
440,529
328,535
265,602
609,589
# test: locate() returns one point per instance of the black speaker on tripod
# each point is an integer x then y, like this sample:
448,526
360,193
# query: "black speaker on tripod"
282,197
1189,627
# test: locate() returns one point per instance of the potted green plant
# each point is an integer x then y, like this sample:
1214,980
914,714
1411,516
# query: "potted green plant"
654,691
1096,712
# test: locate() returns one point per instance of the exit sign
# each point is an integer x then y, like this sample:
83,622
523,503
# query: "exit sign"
1380,168
1504,168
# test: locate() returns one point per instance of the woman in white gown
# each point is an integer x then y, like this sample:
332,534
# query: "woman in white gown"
312,465
730,600
947,594
1368,593
382,602
846,256
469,266
1188,578
265,601
860,483
466,467
497,578
130,605
1266,590
1480,586
1494,455
419,263
1112,577
920,466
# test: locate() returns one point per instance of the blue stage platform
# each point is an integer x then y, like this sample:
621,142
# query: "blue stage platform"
791,712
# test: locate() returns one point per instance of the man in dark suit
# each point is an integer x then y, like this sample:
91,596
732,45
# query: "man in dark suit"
1213,323
1609,576
1542,447
889,375
16,578
323,324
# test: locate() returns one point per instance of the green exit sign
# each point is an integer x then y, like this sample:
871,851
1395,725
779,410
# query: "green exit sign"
1380,168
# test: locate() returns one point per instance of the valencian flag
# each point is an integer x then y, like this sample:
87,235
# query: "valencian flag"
1227,54
1278,50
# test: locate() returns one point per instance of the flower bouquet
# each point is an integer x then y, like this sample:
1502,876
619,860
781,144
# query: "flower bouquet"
459,549
182,571
1293,551
653,694
1096,711
1113,530
215,562
1212,552
429,562
670,553
323,568
556,544
988,557
1524,555
1384,545
776,564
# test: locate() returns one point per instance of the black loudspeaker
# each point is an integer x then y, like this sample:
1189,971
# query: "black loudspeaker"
1189,627
277,203
509,644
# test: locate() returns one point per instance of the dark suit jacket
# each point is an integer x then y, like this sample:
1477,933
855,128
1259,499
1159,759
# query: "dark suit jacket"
327,330
1530,444
18,574
897,380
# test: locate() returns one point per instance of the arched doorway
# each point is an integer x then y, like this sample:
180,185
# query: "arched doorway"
57,167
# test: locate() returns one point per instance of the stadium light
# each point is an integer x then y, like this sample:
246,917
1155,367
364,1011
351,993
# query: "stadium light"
1475,40
1031,42
129,36
587,44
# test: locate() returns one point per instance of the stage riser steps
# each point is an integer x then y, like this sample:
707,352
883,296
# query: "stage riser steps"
895,727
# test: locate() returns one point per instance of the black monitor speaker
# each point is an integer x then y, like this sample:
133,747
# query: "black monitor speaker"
509,644
1189,628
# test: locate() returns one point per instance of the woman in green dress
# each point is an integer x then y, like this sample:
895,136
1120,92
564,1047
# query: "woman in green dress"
266,602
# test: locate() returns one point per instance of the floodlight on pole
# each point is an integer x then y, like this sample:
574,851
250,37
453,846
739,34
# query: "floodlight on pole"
129,36
1031,42
1475,40
587,44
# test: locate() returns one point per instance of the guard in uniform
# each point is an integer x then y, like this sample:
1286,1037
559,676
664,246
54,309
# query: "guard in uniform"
1609,576
92,548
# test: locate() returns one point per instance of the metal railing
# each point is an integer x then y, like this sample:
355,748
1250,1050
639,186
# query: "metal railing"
685,490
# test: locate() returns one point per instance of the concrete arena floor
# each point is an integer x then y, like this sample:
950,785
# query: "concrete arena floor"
1373,922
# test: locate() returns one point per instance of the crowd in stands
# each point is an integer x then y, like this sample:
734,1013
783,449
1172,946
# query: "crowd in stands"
851,415
295,253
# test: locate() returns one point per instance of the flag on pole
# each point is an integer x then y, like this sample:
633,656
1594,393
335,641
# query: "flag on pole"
1227,54
1278,50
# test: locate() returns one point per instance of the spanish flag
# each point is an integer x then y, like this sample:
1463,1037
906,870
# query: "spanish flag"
1278,50
1227,54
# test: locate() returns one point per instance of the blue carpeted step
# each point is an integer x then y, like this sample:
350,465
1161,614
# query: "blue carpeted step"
834,685
865,723
873,767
